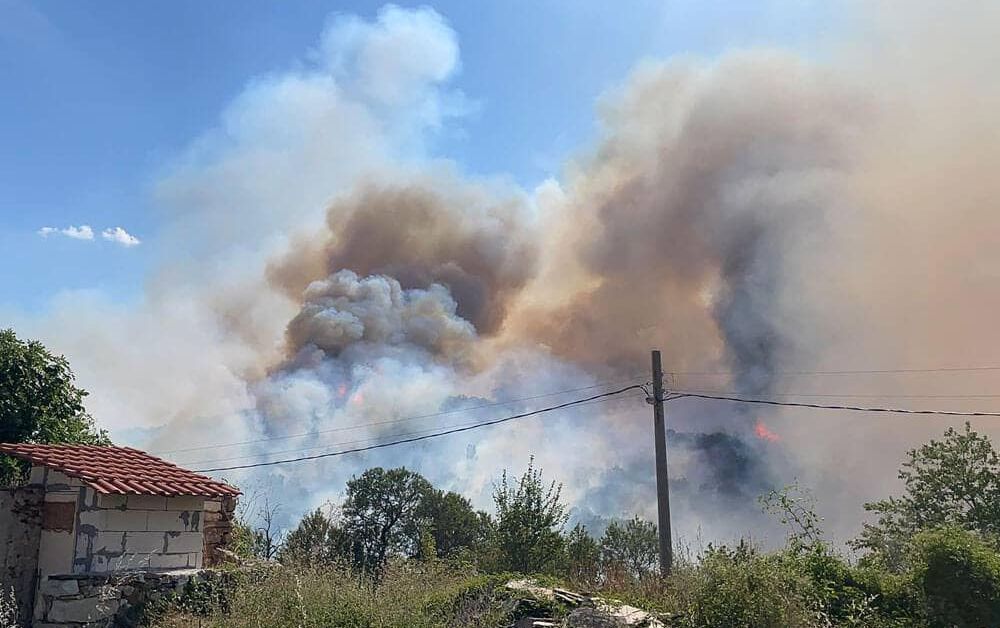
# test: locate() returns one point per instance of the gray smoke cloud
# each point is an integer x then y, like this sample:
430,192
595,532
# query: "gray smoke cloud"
756,213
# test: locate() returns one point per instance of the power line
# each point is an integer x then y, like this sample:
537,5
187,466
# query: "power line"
428,436
362,440
768,402
839,395
388,421
850,372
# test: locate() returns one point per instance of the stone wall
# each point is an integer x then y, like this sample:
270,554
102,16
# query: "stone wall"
20,527
138,532
106,600
218,529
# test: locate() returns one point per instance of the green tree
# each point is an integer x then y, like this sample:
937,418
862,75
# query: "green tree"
632,547
949,482
315,541
529,523
959,576
39,402
583,555
451,522
380,517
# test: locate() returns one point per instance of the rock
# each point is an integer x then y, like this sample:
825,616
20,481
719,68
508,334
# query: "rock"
590,617
59,587
81,611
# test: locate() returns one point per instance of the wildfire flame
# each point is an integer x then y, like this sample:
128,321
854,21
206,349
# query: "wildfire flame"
765,433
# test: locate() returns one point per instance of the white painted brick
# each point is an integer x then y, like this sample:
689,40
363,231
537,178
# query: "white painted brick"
37,475
170,521
57,477
185,502
185,542
213,505
146,502
127,520
194,560
143,542
129,562
96,518
111,501
108,542
168,561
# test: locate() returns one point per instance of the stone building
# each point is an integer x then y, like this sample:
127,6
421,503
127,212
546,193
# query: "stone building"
88,514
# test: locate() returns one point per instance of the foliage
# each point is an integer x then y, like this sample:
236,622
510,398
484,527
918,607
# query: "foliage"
949,482
582,555
795,509
452,523
413,595
380,516
959,576
632,547
739,587
39,403
530,518
316,541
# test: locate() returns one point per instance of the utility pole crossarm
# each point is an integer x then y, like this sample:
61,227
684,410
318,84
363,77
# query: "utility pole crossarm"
662,478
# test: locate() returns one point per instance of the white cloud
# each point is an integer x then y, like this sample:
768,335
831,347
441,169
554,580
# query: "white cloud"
117,235
83,232
120,236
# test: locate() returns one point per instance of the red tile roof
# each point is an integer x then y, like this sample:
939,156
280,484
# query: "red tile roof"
119,470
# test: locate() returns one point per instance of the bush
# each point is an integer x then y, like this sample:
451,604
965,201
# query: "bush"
742,588
958,574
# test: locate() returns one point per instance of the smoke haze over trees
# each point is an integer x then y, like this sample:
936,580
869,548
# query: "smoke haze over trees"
757,213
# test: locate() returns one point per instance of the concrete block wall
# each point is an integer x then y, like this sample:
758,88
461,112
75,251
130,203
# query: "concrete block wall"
138,532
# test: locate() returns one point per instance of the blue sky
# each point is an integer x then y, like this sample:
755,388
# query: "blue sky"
98,99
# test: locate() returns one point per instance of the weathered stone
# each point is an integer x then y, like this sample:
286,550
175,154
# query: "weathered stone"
50,586
82,610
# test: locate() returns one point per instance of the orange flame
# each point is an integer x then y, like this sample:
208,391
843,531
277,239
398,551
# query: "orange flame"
764,433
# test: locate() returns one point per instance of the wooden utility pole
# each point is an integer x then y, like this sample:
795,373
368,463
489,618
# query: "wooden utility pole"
662,479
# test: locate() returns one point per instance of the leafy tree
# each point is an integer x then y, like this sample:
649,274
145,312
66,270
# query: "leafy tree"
380,516
38,401
949,482
451,522
959,576
529,522
583,554
315,541
795,508
632,547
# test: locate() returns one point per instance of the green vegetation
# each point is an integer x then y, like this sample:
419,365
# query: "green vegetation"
39,402
403,554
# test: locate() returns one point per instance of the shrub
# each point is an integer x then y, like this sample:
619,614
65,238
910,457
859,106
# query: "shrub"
742,588
958,574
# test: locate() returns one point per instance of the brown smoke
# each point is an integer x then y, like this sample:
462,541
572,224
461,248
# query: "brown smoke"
679,230
422,233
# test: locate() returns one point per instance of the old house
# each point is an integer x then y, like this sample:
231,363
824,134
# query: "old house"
89,514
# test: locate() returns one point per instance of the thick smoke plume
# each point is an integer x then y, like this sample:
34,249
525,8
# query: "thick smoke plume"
757,214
